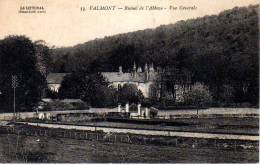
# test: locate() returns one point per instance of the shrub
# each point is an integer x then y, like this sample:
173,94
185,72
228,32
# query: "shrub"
199,95
130,93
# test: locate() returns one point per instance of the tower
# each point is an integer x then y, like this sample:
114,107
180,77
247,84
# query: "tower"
146,67
151,68
146,72
139,70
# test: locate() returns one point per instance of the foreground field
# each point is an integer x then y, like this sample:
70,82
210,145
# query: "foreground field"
15,148
38,148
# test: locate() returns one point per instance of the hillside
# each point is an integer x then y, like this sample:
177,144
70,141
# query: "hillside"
220,50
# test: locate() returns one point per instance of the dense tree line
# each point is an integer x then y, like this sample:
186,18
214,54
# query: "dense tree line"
220,51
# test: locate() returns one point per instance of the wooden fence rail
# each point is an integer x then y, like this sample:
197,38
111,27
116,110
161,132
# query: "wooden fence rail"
132,138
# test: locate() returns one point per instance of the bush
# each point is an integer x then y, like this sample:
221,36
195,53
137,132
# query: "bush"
130,93
89,87
59,105
51,94
153,112
133,108
199,95
105,97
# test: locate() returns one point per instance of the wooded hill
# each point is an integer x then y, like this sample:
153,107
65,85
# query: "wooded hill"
219,50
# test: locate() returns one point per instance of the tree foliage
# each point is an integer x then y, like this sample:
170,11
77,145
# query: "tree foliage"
129,93
44,60
18,57
217,50
90,87
199,95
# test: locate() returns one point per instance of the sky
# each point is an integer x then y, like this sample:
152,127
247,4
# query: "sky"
64,24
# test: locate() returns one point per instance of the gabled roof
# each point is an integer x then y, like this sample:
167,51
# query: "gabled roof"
127,77
72,101
116,76
55,78
48,100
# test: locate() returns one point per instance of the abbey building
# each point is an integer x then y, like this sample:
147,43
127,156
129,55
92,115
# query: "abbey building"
144,78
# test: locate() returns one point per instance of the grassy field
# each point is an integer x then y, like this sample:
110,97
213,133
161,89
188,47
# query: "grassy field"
213,125
15,148
211,111
34,149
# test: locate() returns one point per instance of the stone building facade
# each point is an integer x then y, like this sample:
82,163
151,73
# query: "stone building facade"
144,78
147,80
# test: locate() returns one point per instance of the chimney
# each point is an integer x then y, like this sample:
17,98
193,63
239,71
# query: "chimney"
151,68
134,70
120,70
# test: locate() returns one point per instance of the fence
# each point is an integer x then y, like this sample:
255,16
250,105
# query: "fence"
131,138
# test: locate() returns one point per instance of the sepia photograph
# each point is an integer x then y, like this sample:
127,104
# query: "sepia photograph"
128,81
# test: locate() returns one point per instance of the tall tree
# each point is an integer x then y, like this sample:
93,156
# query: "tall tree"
44,60
90,87
18,57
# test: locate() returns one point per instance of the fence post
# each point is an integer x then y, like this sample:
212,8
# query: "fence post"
86,136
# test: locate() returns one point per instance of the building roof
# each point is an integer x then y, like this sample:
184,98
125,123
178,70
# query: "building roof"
127,77
55,78
48,100
72,101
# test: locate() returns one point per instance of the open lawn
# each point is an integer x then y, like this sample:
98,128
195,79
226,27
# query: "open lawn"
62,150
